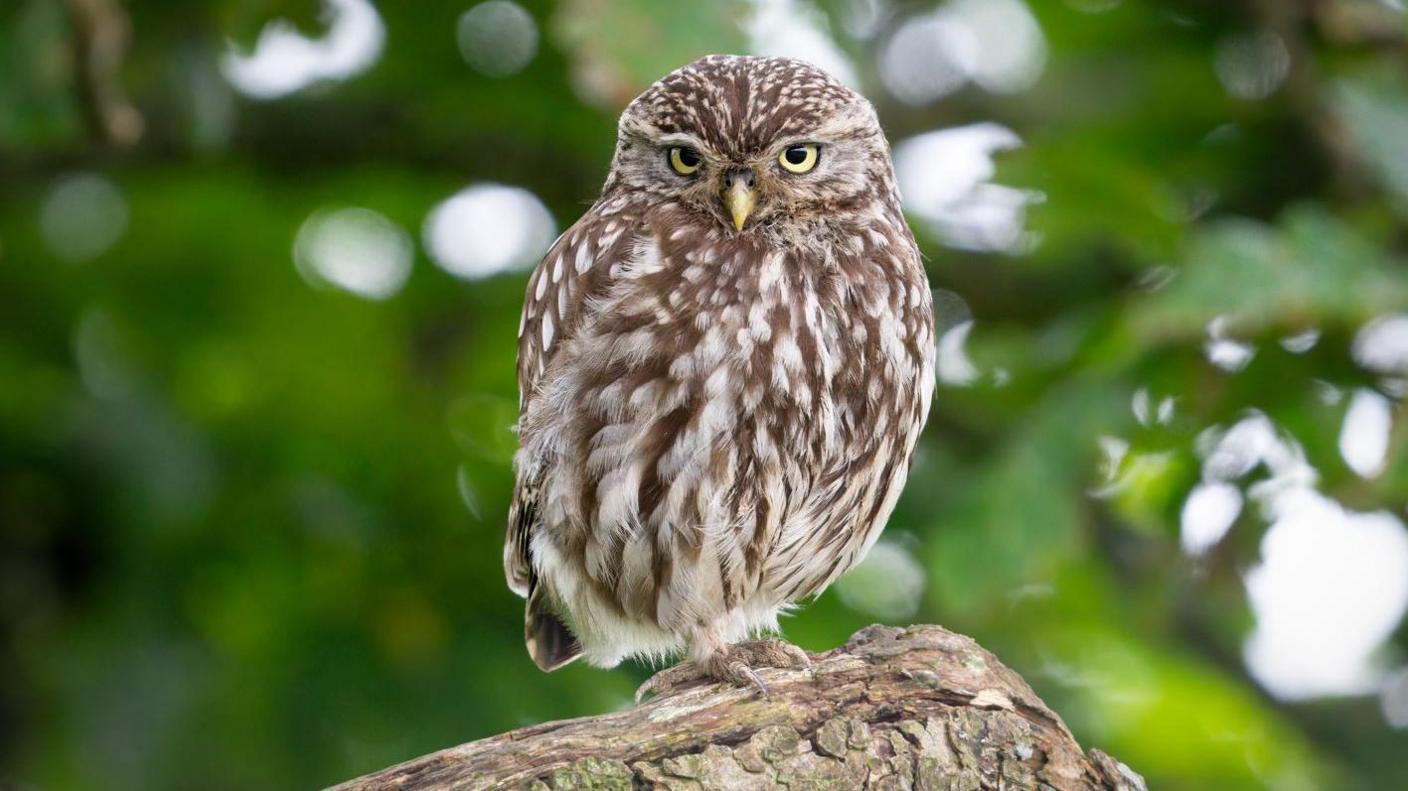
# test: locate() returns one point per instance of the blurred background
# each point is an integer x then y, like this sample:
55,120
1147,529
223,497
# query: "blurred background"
260,270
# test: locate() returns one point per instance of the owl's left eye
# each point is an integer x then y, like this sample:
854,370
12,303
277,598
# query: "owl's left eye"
798,158
685,160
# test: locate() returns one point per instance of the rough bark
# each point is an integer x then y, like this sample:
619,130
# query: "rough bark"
916,708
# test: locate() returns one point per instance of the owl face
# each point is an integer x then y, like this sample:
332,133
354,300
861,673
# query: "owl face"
753,143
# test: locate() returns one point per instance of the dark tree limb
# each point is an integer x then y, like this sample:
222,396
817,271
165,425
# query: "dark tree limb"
919,708
102,33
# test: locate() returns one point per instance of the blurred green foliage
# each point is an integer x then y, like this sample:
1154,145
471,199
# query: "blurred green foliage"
250,529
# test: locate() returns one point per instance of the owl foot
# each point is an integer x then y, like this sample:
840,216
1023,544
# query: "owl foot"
732,664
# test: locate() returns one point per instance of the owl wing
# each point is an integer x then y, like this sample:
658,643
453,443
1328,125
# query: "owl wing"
577,267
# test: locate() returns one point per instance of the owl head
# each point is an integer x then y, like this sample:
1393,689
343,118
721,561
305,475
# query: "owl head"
753,143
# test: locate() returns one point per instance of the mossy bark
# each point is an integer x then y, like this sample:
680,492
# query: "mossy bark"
916,708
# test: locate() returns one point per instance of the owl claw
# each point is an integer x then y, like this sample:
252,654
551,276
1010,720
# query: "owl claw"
733,664
781,648
742,675
670,679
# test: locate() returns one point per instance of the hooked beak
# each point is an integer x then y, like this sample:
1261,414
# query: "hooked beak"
739,199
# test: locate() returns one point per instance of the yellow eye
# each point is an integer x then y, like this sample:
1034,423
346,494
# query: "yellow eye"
799,158
685,160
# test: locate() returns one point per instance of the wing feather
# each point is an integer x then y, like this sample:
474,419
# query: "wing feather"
576,267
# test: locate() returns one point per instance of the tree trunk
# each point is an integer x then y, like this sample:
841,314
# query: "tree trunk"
919,708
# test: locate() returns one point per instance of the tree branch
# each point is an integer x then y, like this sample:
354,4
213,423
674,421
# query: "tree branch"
920,708
102,33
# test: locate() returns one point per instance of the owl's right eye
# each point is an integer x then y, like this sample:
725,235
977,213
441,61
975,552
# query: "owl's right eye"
685,160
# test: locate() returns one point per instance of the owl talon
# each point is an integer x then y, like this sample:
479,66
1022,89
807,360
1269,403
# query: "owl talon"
670,679
732,664
741,675
776,652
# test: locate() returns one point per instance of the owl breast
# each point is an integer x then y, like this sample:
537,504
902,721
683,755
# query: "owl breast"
731,426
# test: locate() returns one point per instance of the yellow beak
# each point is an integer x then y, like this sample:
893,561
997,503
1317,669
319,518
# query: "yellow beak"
739,200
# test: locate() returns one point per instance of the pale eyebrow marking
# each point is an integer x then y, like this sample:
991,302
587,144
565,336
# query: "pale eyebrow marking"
681,139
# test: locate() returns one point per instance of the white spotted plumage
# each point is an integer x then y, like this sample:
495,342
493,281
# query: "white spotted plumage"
716,422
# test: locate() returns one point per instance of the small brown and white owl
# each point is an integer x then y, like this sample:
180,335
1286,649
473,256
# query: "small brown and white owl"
724,367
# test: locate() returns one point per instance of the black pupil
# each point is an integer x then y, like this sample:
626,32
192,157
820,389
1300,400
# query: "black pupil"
797,154
688,157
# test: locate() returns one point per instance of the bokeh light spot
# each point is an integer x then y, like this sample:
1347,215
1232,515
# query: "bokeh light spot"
944,180
928,58
862,18
1011,48
101,354
888,584
1209,511
1394,699
487,229
797,29
83,216
355,249
482,424
1382,344
498,38
469,493
1364,435
285,61
1331,586
1148,411
953,321
1252,66
1301,342
996,44
1232,453
1224,352
954,367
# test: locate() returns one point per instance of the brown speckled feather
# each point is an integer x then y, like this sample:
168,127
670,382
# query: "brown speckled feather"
716,422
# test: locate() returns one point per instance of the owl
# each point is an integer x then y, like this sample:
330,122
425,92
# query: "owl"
724,367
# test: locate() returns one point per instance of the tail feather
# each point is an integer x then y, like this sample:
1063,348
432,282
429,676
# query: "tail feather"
549,641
